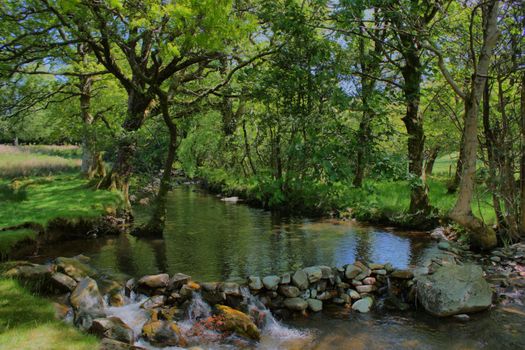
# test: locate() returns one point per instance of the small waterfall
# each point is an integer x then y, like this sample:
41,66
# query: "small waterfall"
131,313
275,335
198,308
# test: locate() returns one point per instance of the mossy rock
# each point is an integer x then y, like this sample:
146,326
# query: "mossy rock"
238,322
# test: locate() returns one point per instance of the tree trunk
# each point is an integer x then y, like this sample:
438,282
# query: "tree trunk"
490,141
483,236
118,177
431,160
522,157
419,202
156,223
454,184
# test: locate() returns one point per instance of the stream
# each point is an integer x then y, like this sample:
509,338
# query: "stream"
213,240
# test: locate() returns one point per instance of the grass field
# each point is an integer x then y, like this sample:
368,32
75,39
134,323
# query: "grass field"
38,160
28,322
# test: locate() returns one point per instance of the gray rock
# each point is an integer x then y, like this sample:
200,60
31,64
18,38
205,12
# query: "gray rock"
381,272
366,288
153,302
154,281
315,305
74,268
353,294
363,305
271,282
231,288
289,291
286,278
389,267
178,280
255,283
376,266
352,271
87,303
363,274
300,279
63,282
112,328
314,273
110,344
454,289
295,304
327,295
495,258
326,272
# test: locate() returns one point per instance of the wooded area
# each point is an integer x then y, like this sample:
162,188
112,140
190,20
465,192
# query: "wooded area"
297,104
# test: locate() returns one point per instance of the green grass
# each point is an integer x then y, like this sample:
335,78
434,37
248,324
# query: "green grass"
61,196
28,322
37,160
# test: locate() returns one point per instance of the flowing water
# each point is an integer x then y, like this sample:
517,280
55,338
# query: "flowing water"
212,240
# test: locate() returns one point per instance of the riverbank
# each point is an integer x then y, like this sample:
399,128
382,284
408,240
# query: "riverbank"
52,207
377,202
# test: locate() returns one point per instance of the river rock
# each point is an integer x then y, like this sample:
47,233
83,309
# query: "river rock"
74,268
353,294
373,266
454,289
238,322
163,333
117,300
314,273
444,245
295,304
369,281
402,274
38,274
153,302
289,291
231,288
352,271
255,283
300,279
271,282
112,328
327,295
63,282
363,274
381,272
327,272
366,288
286,279
154,281
315,305
178,280
87,303
363,305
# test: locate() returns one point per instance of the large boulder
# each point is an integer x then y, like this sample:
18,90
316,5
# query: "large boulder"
32,273
363,305
154,281
63,282
163,333
112,328
178,280
237,322
87,303
454,289
300,279
74,268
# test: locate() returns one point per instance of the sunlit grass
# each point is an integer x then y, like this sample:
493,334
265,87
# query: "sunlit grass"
62,196
28,322
37,160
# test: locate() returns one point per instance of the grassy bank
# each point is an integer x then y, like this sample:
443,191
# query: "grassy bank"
41,183
28,322
377,201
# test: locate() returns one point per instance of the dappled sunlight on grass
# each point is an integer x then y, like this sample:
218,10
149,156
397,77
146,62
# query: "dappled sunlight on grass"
28,322
63,196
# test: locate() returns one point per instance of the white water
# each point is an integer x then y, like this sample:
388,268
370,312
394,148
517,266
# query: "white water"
274,335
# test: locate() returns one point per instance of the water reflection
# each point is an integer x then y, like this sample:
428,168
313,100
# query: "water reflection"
213,240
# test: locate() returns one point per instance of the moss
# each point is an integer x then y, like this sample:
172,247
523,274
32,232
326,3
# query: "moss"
28,322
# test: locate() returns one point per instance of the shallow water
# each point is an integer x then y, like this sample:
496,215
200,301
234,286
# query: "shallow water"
213,240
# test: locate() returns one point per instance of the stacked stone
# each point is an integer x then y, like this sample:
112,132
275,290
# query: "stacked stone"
353,285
